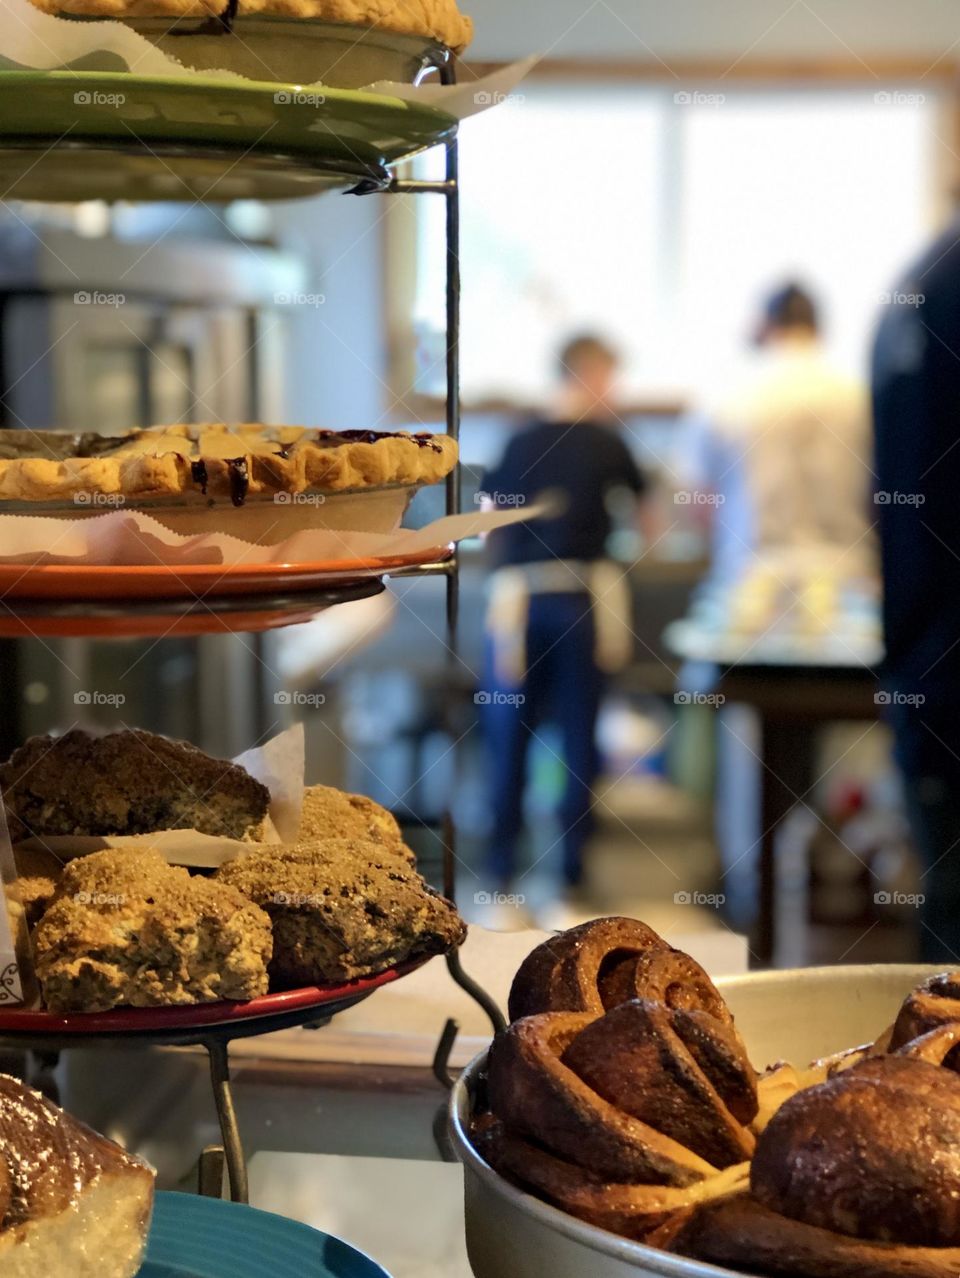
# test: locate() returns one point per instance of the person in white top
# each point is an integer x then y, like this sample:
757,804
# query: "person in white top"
784,466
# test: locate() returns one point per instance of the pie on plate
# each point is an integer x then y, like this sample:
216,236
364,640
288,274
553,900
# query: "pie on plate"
217,462
438,20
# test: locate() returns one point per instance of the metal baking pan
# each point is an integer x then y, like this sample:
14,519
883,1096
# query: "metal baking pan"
338,55
795,1015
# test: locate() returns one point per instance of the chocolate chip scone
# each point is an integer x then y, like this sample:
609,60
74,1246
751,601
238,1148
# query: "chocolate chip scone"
328,813
128,930
206,462
128,782
438,19
342,908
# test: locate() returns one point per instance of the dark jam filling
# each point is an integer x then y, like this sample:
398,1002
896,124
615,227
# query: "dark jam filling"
239,479
423,439
199,471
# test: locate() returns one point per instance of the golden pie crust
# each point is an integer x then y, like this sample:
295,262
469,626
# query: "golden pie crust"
216,461
437,19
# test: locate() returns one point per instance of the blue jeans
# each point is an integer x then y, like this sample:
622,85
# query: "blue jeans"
563,685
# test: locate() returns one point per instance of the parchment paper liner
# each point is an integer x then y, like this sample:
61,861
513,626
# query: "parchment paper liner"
130,537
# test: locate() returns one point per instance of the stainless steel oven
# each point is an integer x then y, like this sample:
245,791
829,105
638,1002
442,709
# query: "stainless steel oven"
107,334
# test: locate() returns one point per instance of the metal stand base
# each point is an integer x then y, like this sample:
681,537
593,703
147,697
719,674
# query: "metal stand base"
232,1152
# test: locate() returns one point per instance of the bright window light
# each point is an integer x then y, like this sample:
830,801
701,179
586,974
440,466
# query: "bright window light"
660,221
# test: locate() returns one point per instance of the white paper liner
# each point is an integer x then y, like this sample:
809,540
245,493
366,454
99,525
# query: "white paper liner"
279,765
38,41
132,538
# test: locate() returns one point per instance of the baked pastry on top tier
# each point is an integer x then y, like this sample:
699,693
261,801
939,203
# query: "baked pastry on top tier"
440,20
72,1203
216,461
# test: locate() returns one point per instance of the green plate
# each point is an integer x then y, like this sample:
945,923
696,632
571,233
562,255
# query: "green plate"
71,136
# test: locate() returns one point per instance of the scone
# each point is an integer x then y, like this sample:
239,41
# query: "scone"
129,782
342,908
38,873
438,19
127,929
328,813
71,1201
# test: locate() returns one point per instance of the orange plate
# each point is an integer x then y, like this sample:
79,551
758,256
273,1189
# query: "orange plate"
196,1016
163,581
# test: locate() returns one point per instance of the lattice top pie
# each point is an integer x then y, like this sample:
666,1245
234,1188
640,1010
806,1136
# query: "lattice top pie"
216,461
438,19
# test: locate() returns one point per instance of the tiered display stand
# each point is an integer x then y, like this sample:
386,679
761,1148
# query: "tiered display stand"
52,167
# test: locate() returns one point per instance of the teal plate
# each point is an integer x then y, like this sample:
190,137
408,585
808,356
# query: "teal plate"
68,135
194,1237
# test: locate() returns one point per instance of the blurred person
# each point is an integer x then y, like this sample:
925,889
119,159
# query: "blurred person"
916,399
784,459
782,472
559,616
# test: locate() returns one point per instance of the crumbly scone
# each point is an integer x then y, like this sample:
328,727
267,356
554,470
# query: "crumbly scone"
38,873
342,908
440,20
214,461
128,782
328,813
71,1201
127,929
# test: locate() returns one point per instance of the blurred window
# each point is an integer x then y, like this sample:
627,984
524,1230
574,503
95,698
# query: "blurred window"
659,215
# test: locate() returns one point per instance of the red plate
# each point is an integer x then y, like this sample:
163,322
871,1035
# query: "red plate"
165,581
197,1016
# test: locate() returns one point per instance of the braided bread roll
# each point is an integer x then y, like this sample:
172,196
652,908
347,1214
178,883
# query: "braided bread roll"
622,1120
934,1003
741,1233
601,964
858,1177
625,1208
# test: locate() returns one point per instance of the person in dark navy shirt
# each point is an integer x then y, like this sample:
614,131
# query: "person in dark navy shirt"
916,393
559,614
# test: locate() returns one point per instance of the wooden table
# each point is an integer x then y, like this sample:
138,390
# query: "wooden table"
792,700
791,703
